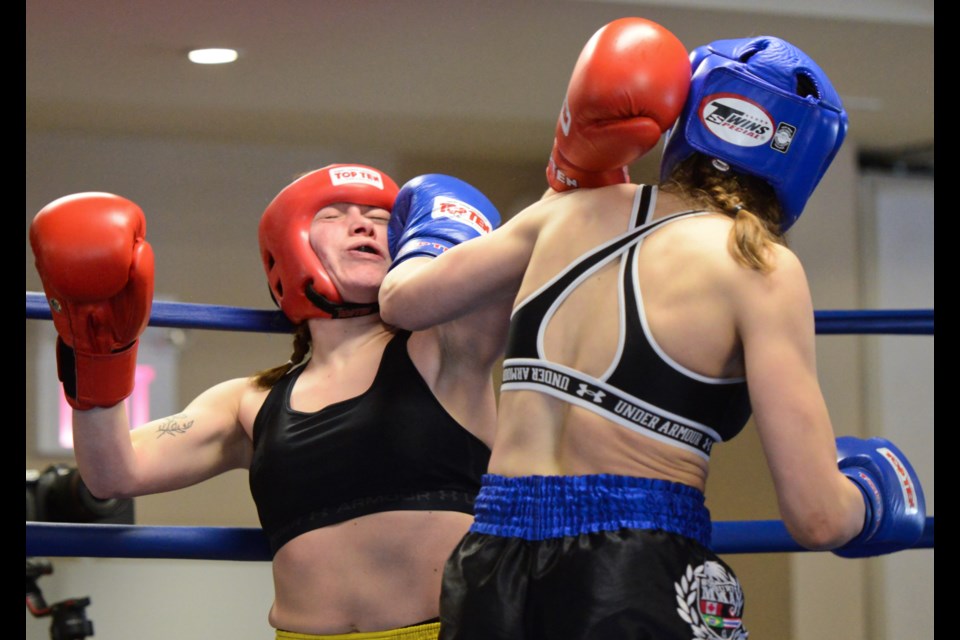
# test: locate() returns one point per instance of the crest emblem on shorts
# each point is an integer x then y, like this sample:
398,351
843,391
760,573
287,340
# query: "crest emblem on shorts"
710,600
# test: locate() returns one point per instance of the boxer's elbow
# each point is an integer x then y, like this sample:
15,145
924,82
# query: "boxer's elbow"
828,524
107,478
819,532
392,307
108,487
399,305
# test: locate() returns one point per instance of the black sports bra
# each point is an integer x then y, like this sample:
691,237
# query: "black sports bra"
643,389
394,447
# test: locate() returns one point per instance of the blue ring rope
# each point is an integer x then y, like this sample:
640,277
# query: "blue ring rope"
231,543
224,318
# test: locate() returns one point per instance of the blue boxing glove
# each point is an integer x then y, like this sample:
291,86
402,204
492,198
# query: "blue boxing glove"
895,508
434,212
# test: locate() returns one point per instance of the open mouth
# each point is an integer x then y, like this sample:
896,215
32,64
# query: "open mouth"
366,248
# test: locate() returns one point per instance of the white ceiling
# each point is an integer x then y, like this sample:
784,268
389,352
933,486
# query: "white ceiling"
480,79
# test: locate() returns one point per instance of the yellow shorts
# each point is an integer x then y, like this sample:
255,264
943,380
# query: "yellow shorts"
426,631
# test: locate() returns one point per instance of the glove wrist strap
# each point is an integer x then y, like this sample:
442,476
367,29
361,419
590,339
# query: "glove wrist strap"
96,379
872,504
563,177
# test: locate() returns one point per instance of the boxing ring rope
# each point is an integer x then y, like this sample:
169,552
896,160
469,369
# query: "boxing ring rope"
230,543
247,543
209,316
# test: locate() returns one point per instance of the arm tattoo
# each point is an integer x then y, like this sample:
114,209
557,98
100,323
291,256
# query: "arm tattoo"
174,425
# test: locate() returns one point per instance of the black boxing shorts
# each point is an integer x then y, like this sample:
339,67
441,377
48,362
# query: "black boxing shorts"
589,558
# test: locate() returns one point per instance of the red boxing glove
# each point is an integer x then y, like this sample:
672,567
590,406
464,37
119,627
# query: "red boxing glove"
97,273
627,89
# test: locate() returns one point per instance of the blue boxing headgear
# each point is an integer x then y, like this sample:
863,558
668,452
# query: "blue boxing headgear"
765,108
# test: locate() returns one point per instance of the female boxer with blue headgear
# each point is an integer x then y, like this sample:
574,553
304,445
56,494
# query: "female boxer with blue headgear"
365,451
648,324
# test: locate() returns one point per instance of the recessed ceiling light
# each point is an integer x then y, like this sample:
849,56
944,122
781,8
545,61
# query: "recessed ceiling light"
212,56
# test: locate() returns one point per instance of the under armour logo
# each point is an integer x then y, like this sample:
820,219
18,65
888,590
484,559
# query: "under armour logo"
586,391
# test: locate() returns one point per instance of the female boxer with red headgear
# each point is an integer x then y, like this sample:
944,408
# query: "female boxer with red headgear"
365,451
648,324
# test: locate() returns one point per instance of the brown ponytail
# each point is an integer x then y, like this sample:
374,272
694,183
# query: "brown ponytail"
301,347
749,201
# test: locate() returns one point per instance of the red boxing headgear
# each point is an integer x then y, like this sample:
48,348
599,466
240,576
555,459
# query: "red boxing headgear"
298,280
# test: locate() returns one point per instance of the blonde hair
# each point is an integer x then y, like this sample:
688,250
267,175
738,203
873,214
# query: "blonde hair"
301,348
751,203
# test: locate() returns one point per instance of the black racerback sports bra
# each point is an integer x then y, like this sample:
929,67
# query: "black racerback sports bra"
643,389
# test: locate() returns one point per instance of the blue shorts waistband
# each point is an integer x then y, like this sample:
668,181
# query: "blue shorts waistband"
542,507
